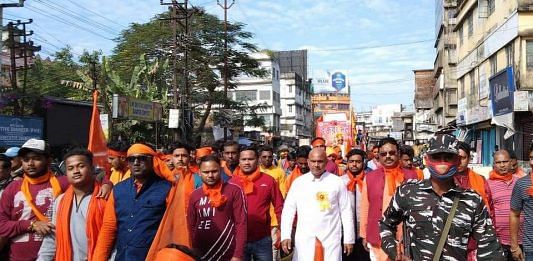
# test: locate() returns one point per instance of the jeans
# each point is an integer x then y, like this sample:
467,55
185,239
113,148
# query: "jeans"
260,250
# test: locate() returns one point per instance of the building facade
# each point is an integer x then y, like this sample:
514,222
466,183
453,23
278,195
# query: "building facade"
495,75
295,98
424,119
263,91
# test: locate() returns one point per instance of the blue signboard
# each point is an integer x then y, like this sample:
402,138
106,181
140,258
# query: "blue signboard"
338,81
502,91
14,131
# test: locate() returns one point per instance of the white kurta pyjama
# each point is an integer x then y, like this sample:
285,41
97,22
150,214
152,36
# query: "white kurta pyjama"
321,218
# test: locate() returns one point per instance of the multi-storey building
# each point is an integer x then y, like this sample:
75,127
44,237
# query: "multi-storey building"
295,93
425,119
264,91
495,74
444,91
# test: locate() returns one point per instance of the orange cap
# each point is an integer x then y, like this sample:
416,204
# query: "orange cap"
204,151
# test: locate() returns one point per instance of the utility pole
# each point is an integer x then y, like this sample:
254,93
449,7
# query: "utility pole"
2,6
226,7
20,48
180,14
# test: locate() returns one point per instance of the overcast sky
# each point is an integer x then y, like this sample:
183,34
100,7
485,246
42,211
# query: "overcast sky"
379,42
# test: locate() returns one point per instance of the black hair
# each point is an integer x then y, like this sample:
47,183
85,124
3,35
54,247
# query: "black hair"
252,148
230,143
6,160
531,147
121,146
266,148
291,155
303,151
79,152
208,158
512,154
388,140
407,150
356,152
464,147
181,145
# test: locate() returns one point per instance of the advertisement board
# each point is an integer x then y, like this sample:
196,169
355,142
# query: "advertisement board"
501,92
331,82
14,131
328,131
125,107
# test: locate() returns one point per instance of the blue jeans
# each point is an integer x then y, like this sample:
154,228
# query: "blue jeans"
260,250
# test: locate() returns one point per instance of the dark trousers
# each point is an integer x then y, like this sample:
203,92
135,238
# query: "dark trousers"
358,254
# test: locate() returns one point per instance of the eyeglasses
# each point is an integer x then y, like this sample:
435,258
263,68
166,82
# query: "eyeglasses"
142,158
390,153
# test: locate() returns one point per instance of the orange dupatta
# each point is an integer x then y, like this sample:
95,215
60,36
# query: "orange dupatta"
393,176
25,189
477,183
215,194
247,181
495,176
94,220
355,181
319,251
173,228
226,169
294,174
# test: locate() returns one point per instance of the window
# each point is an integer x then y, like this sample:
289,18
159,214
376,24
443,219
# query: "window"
493,64
461,35
472,76
264,95
470,21
246,95
290,108
290,88
491,6
529,54
509,53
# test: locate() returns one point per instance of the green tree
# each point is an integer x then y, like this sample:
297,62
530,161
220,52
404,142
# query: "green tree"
206,60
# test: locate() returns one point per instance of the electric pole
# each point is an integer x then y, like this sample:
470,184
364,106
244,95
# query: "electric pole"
180,14
226,7
2,6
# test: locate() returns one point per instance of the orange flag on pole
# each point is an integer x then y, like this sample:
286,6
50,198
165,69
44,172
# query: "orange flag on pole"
97,141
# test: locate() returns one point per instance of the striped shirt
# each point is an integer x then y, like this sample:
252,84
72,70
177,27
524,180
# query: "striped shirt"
501,200
522,201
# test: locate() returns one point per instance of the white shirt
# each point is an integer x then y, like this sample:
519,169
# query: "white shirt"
323,219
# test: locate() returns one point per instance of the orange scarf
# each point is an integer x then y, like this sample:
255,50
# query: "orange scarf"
173,228
357,180
167,254
319,251
419,174
194,168
25,189
393,176
226,169
215,194
247,181
477,183
495,176
294,174
95,217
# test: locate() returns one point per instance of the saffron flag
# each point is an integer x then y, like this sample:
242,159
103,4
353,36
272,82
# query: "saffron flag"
97,141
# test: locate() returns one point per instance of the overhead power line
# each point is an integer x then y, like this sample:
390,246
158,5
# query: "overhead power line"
97,14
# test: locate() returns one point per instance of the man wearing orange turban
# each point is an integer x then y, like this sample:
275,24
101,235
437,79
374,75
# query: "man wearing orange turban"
136,206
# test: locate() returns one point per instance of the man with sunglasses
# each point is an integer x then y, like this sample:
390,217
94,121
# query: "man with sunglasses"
378,189
424,207
136,206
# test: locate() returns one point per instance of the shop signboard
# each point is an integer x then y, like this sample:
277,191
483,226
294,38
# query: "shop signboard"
331,82
521,101
14,131
461,112
125,107
501,92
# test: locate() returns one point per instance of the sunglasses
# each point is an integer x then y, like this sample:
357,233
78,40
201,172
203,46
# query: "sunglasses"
142,158
390,153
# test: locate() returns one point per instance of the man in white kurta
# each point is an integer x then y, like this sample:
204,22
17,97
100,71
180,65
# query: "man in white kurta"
323,206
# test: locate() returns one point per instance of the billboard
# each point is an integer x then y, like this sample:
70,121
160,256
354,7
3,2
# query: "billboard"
331,82
501,92
14,131
125,107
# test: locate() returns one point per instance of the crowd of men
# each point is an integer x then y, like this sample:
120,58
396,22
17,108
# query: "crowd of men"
259,203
